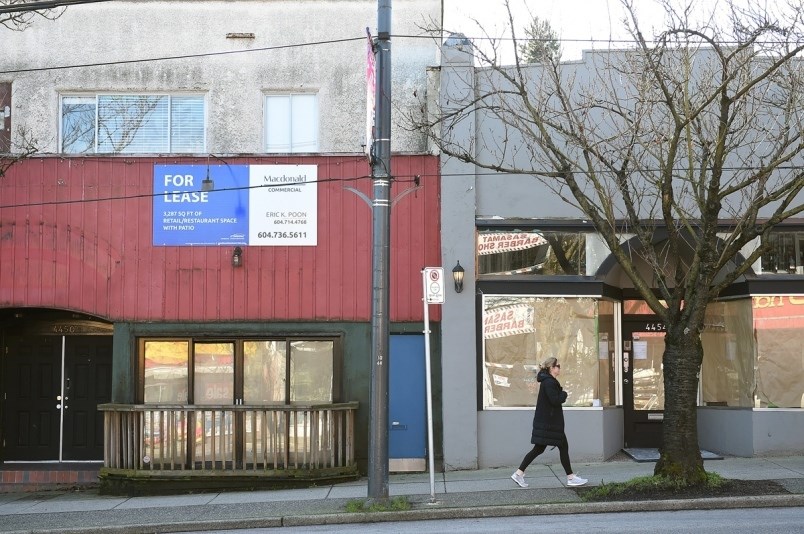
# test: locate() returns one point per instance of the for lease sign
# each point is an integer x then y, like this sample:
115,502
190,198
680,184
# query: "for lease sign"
258,205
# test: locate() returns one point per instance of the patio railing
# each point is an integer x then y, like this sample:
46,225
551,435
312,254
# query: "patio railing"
228,438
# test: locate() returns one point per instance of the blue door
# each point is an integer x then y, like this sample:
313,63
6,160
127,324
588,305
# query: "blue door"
407,408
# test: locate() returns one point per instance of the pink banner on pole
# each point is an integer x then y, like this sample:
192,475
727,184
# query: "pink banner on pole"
371,82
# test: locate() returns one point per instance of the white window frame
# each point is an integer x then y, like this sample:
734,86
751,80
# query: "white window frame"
314,127
97,96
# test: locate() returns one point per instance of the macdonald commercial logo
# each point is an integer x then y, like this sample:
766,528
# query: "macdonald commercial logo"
496,242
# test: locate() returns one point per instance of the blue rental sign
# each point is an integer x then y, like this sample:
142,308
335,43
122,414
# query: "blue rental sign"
185,215
283,200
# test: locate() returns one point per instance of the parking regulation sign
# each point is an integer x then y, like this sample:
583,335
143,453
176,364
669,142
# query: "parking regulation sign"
434,285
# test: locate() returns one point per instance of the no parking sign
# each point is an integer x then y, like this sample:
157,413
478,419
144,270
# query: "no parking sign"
434,285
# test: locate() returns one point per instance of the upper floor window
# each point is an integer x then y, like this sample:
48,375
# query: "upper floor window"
291,123
785,253
530,252
132,124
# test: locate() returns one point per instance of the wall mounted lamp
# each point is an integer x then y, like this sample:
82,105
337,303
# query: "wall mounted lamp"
457,277
207,184
237,257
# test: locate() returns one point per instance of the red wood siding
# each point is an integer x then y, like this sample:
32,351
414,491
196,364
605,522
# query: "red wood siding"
62,247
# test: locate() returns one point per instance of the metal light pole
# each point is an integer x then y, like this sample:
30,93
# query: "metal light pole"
380,256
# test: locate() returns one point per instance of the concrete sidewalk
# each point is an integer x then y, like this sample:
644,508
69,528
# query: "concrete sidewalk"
481,493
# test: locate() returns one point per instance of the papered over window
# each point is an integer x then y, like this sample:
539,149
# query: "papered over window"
521,331
530,252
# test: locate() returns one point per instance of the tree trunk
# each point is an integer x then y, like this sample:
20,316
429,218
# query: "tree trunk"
680,456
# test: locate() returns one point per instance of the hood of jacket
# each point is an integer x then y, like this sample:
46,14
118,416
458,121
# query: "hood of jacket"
543,374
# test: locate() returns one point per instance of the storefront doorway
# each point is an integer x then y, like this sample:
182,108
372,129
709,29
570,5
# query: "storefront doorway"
52,385
643,381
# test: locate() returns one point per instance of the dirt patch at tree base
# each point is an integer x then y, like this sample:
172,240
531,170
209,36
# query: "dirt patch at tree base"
729,488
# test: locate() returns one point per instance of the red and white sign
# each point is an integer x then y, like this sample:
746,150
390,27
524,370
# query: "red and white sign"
494,243
508,321
778,311
434,285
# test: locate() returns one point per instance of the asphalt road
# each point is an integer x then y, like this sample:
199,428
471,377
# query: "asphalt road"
753,520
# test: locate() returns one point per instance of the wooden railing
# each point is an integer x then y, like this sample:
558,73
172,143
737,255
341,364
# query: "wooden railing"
227,437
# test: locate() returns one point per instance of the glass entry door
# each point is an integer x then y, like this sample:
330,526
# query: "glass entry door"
643,382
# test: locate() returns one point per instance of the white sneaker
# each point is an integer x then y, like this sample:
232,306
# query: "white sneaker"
519,479
576,481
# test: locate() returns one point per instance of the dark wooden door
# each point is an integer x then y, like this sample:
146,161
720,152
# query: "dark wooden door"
32,385
643,382
87,383
51,402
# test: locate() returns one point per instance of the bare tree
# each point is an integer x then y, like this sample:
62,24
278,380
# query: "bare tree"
23,148
25,145
695,135
123,117
19,20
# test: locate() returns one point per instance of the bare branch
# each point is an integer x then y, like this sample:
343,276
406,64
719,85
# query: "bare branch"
20,20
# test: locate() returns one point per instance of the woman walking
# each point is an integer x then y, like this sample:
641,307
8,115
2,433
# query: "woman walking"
548,424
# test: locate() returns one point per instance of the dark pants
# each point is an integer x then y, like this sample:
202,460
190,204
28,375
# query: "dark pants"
563,450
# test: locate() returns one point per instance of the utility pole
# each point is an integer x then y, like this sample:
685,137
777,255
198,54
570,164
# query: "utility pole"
380,259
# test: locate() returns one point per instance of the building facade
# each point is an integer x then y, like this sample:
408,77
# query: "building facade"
191,231
540,282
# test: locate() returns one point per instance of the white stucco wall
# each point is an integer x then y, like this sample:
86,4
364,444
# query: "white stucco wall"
234,83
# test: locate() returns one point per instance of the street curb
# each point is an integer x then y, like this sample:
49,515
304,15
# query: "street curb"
160,528
475,512
715,503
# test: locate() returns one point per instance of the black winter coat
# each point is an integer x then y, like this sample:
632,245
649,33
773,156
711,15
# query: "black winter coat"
548,419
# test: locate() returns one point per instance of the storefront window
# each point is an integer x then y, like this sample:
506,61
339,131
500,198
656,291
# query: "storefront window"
779,331
213,369
265,371
278,371
311,371
753,352
531,252
605,352
519,332
166,364
728,345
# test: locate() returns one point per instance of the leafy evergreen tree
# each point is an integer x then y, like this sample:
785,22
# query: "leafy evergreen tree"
542,45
